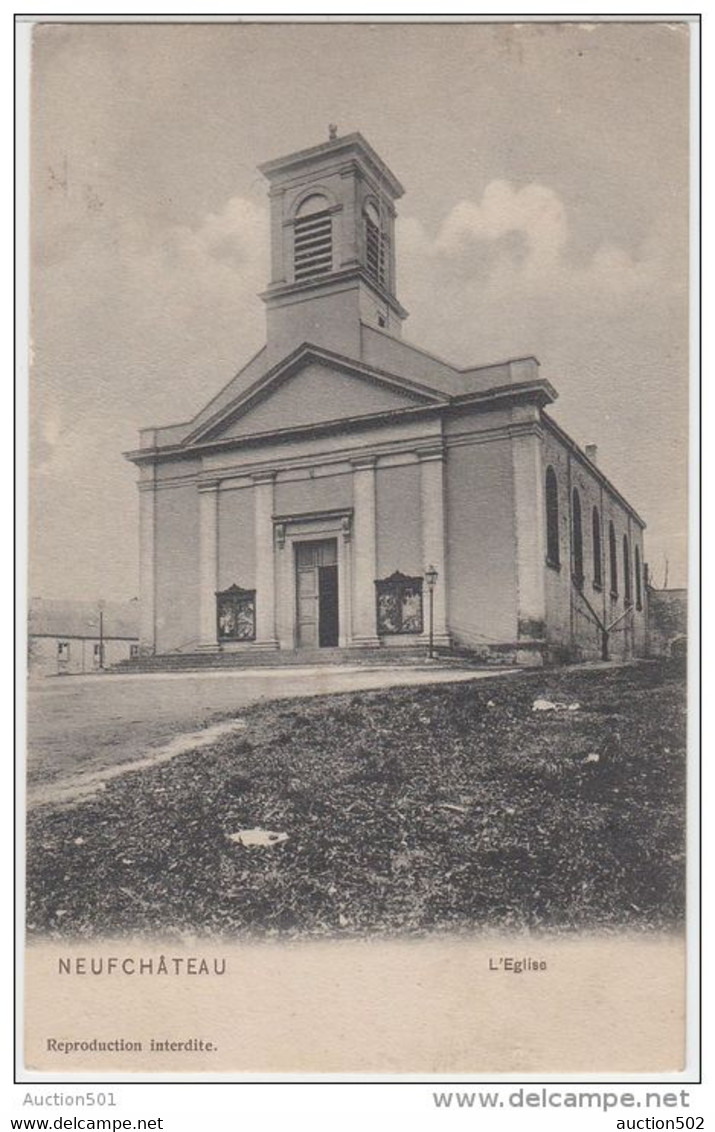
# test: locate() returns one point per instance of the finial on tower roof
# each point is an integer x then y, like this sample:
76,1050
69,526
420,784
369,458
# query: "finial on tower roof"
332,131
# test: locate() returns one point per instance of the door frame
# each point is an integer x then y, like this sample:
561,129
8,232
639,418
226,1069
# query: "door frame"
311,527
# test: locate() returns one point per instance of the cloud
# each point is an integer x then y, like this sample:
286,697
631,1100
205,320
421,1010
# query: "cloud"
517,272
518,240
238,234
534,212
132,309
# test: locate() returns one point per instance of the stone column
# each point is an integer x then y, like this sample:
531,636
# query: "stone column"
208,563
364,553
147,561
433,538
265,577
529,515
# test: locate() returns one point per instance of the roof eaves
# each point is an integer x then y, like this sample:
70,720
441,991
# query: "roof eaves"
577,451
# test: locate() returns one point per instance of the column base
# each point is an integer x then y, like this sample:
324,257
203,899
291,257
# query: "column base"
270,644
365,643
208,646
440,640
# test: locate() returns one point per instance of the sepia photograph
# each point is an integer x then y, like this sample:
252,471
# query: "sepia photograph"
358,611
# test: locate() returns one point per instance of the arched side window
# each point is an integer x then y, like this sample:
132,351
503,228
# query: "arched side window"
377,245
552,519
596,543
312,239
627,588
613,557
639,584
577,537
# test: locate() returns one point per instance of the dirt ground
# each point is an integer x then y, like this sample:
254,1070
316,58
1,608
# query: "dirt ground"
405,811
85,724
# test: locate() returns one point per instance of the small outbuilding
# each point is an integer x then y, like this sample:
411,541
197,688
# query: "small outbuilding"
68,637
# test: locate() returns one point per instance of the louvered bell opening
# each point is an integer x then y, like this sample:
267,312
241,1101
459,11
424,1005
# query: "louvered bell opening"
313,246
376,250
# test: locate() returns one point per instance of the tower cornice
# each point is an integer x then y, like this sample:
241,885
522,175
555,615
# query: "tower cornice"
351,145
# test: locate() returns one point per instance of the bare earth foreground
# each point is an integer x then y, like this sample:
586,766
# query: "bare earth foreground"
405,810
84,726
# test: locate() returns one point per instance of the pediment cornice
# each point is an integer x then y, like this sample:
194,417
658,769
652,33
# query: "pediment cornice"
416,394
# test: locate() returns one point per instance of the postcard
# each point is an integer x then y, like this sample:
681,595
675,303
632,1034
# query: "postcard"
358,547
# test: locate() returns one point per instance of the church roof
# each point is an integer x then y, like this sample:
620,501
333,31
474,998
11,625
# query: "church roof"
380,353
400,357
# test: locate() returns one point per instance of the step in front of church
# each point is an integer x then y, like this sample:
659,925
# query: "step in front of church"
297,658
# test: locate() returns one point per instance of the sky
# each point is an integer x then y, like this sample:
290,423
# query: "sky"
546,213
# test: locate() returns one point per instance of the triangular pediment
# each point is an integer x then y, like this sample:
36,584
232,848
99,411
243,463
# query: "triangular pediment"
309,388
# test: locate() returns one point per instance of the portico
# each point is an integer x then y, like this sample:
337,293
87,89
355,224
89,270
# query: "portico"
315,571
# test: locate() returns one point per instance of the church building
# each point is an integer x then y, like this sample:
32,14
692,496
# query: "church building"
349,490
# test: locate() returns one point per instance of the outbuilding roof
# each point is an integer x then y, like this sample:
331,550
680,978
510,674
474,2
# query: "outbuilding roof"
54,618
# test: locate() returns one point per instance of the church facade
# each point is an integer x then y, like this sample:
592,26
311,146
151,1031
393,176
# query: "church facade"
310,503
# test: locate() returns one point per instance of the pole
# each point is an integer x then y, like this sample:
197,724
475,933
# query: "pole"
101,638
431,622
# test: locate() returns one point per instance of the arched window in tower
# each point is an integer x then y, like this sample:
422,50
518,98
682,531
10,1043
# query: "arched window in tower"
377,245
552,519
576,538
627,589
312,239
639,584
613,559
596,543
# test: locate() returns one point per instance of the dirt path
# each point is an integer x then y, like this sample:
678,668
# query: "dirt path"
83,730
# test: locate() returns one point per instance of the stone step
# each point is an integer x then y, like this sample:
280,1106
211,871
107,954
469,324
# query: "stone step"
181,662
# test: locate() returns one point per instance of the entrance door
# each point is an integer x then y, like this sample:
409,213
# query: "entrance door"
316,565
328,606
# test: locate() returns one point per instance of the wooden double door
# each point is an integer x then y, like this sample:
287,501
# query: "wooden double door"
316,568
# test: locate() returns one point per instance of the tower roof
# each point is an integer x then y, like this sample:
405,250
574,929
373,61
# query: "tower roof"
346,147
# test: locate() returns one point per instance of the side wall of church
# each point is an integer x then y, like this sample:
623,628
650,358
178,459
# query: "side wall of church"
571,627
177,567
481,544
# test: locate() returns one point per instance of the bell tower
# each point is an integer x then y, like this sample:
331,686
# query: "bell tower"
332,246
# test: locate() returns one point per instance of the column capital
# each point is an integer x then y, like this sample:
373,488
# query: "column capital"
363,463
434,452
267,476
208,485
